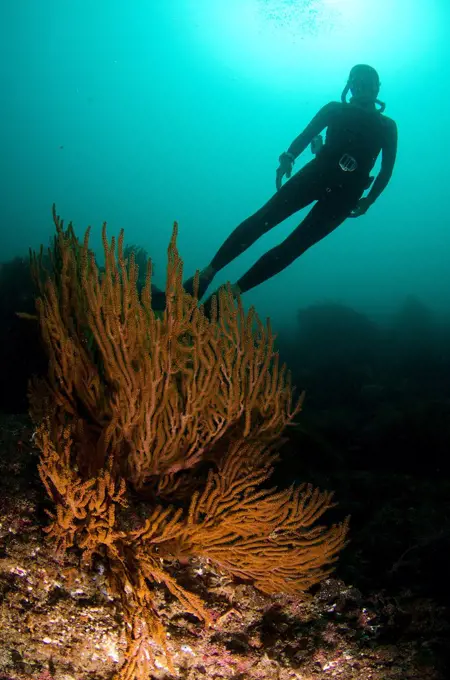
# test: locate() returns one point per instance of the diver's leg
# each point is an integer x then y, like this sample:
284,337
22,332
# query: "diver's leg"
328,213
295,194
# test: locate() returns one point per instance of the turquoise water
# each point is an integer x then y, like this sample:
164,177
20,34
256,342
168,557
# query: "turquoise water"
145,112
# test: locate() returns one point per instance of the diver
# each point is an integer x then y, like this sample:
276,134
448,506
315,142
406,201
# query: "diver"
336,178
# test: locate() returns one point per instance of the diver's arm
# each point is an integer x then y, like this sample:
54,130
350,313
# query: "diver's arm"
389,153
320,121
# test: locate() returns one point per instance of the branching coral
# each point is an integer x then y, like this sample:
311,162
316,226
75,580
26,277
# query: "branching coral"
158,394
184,411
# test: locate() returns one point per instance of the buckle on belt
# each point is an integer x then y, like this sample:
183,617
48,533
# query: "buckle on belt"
347,163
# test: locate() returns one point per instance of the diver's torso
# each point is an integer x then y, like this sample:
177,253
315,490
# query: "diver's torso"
354,133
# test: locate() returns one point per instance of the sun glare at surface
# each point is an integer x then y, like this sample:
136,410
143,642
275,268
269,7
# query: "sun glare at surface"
270,38
288,21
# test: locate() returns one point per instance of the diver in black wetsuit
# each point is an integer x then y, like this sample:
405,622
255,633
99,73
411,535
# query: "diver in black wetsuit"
336,178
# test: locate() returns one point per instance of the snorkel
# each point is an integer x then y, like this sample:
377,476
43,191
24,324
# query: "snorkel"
364,84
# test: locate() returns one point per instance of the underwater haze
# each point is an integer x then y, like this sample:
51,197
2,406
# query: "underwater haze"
144,112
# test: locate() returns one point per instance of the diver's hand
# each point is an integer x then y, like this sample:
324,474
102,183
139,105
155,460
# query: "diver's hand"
361,208
285,168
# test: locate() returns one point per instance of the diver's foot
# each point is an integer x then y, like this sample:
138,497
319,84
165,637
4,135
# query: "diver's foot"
158,299
207,305
204,279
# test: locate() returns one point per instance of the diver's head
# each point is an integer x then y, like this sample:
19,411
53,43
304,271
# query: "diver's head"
364,85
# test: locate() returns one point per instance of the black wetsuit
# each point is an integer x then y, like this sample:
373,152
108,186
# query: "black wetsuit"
353,134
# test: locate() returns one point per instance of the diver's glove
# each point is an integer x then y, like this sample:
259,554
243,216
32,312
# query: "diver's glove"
361,208
286,163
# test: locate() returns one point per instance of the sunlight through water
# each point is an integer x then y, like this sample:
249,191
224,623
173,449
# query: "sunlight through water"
271,38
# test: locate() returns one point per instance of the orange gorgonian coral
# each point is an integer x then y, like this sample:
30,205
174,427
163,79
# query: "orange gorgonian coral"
181,411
